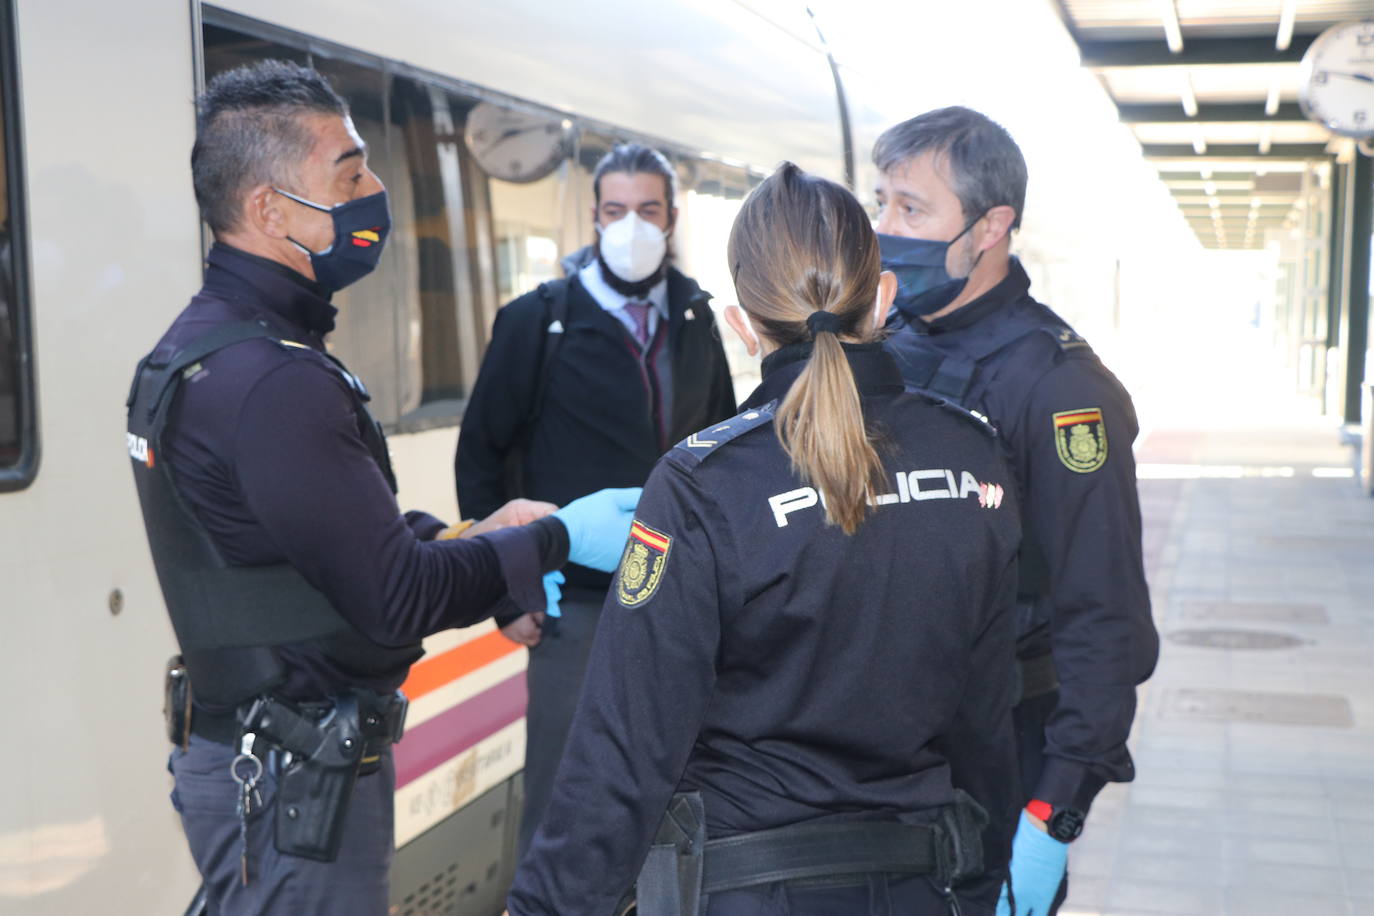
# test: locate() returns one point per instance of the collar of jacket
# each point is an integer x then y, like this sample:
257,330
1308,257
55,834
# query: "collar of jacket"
1014,286
875,372
255,280
683,293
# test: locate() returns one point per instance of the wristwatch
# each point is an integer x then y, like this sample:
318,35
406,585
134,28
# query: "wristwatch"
1064,824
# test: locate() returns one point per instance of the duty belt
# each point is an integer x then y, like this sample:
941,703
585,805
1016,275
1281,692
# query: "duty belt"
292,725
819,850
682,866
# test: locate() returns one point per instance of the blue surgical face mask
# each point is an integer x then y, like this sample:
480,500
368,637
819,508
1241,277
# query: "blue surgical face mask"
923,284
360,230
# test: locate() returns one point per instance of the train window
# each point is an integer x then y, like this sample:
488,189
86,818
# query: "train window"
527,221
414,327
18,430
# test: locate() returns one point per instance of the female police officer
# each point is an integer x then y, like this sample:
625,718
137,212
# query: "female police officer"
808,639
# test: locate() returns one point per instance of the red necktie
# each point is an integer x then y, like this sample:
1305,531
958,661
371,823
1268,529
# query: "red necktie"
639,311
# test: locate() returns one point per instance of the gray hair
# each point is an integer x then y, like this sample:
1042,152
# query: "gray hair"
986,166
249,132
633,159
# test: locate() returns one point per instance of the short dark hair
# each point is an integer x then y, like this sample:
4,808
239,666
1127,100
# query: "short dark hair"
633,158
249,132
986,166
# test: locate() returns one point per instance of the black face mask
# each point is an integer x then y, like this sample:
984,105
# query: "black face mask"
360,230
923,284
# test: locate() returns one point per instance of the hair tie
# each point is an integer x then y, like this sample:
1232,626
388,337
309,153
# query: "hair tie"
822,320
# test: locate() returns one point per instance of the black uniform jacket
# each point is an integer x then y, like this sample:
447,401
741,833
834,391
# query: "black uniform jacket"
1070,426
596,427
265,447
789,672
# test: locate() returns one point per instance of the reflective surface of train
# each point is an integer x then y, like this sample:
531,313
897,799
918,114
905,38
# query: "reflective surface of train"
484,121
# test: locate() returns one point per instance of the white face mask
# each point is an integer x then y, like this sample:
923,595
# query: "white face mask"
633,248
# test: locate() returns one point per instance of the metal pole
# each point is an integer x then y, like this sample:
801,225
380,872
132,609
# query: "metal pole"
1357,311
1335,286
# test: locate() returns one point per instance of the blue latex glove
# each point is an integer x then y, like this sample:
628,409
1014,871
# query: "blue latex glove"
552,593
598,526
1038,862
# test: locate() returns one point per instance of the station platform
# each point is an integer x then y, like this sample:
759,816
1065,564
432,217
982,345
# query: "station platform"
1254,741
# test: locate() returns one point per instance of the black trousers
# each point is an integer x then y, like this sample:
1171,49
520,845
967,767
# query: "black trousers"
878,895
1029,718
557,667
357,883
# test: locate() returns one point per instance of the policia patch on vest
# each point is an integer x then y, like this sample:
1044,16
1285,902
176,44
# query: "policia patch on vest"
641,568
1080,437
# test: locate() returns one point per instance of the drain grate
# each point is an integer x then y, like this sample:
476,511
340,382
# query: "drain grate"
1233,639
1222,705
1255,612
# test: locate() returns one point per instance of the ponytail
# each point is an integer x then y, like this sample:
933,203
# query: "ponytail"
821,427
806,267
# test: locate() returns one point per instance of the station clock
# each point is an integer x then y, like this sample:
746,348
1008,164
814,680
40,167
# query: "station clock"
516,145
1337,81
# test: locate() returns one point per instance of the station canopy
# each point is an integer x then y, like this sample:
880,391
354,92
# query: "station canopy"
1210,89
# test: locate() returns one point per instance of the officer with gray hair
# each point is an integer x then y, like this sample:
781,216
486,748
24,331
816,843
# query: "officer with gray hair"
965,328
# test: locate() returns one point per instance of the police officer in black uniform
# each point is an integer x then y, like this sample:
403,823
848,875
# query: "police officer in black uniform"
809,639
965,328
298,591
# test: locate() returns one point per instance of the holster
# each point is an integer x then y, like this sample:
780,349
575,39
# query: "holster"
176,702
326,751
670,881
959,851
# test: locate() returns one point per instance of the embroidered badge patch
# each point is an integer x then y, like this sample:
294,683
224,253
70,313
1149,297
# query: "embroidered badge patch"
641,568
1080,437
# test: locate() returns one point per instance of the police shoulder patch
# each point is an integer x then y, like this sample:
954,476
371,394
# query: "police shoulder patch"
642,565
699,445
1080,438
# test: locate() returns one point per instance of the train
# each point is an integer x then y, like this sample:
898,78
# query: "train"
101,246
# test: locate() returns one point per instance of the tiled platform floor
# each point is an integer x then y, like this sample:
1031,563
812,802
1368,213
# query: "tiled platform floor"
1254,741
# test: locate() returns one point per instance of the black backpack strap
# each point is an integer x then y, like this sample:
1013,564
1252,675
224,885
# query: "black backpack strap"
555,296
554,325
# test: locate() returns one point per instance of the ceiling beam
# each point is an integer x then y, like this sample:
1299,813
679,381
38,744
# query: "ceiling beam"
1099,54
1234,151
1139,113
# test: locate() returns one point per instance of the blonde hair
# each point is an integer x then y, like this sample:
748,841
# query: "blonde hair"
802,245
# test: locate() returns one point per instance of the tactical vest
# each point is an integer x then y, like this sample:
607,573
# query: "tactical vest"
226,617
960,368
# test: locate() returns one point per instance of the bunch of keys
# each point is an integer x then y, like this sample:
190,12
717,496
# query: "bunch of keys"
249,797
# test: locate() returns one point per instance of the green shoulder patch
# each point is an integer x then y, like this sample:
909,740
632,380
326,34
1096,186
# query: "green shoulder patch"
642,565
1080,438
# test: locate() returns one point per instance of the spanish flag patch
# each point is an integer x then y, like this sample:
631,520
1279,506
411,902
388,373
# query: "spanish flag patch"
366,238
641,567
1080,438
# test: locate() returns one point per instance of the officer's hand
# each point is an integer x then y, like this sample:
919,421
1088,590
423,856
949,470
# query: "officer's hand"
552,593
525,629
514,513
1038,862
598,526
